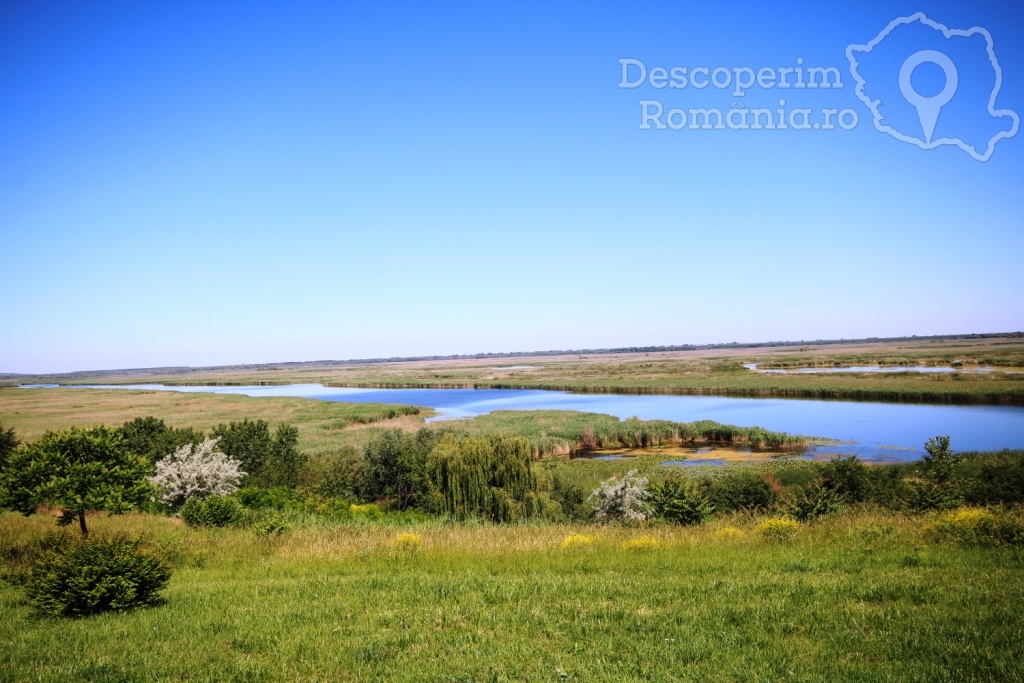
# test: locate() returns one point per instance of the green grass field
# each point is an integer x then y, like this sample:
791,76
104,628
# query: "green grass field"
863,597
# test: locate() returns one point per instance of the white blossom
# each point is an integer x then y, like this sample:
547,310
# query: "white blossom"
624,499
194,470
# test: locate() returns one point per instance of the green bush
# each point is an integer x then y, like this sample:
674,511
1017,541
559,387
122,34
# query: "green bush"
571,499
342,473
681,500
394,467
215,511
848,477
277,498
816,501
274,525
741,490
991,478
81,576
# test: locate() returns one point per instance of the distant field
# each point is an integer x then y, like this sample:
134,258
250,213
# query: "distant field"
861,597
324,426
718,371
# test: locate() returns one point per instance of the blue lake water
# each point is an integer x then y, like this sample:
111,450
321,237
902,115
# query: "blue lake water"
877,431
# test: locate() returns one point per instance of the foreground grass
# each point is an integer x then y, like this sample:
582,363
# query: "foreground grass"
324,426
863,597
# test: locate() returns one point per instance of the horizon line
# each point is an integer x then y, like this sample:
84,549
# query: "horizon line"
182,369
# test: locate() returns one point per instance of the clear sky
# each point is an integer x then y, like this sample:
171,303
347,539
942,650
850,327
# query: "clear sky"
193,183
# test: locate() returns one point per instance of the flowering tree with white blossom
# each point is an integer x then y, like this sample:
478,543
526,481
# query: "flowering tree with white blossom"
623,499
196,471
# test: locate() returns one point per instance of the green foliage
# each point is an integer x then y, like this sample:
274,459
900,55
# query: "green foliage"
570,498
561,431
272,525
79,576
991,478
937,466
681,500
152,438
269,460
741,490
8,442
848,477
285,460
395,467
248,441
213,511
483,477
922,495
341,476
817,501
277,498
935,489
78,471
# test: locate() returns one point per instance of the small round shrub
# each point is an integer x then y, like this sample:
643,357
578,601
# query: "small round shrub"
212,511
407,541
81,576
779,529
641,544
817,501
273,525
576,542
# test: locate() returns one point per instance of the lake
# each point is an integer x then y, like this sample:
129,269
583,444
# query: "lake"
875,431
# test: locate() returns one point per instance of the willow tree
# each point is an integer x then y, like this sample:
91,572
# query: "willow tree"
488,477
78,471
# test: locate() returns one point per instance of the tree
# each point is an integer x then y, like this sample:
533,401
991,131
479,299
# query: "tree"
938,464
395,466
623,499
285,460
195,471
151,437
248,441
8,442
76,470
490,477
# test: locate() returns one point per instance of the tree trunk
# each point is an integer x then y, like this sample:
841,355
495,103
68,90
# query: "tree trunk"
81,524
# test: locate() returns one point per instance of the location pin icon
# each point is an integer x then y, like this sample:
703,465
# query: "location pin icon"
928,107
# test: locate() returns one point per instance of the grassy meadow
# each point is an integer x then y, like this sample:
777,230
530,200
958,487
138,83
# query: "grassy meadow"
356,592
324,426
865,596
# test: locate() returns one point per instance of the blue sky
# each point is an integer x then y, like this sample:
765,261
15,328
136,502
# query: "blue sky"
206,183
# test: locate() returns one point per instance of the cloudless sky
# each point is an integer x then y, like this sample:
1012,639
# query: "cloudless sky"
195,183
